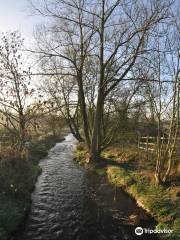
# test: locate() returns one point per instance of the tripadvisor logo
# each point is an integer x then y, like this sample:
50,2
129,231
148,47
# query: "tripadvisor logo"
140,231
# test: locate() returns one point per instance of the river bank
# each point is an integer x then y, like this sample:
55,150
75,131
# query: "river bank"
70,203
17,183
155,200
73,202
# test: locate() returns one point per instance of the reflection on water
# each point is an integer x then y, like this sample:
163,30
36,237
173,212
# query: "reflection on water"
70,204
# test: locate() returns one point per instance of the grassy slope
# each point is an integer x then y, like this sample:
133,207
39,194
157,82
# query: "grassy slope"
154,199
17,183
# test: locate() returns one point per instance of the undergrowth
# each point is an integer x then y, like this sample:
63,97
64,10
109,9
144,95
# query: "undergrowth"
17,182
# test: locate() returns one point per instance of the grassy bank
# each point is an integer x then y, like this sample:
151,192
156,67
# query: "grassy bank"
17,182
157,200
154,199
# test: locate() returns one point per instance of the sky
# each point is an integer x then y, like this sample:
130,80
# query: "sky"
15,15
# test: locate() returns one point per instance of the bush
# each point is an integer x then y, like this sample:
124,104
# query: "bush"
80,147
17,182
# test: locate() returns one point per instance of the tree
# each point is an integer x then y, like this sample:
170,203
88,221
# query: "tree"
112,33
63,99
173,65
15,90
161,70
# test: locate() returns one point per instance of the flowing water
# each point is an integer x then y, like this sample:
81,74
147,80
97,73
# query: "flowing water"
71,204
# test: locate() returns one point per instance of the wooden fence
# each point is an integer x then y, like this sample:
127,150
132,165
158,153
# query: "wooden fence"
150,143
147,143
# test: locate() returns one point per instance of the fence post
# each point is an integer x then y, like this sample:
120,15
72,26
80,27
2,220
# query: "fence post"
147,147
138,138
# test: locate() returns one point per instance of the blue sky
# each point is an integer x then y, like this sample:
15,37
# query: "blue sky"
15,15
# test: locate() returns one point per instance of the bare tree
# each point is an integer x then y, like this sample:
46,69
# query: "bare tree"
173,64
112,33
162,88
15,88
62,95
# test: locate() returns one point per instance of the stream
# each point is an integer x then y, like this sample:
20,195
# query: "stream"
70,203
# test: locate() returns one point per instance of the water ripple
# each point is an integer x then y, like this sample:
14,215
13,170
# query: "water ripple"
61,209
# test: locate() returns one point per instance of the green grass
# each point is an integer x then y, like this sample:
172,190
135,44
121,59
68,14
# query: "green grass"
12,214
16,187
155,199
17,182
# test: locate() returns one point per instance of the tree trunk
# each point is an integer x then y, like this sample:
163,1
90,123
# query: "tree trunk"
22,137
159,155
83,110
96,141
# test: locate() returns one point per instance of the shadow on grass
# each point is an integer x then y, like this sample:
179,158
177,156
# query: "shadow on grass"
128,165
